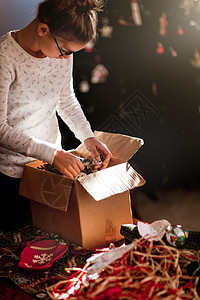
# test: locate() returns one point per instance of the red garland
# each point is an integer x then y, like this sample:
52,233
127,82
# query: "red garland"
151,271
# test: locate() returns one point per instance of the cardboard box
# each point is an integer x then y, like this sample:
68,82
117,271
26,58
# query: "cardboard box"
88,211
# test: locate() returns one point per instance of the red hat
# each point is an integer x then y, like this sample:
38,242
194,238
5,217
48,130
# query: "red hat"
41,254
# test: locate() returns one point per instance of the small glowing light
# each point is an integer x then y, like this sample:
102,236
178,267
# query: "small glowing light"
89,47
163,24
99,74
84,86
180,30
173,52
192,23
154,89
160,49
106,31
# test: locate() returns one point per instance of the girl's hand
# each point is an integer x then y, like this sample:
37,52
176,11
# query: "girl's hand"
97,148
67,164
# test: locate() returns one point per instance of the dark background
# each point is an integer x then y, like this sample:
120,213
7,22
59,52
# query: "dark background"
169,121
168,118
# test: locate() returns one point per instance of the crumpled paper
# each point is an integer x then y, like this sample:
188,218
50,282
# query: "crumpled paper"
154,231
102,260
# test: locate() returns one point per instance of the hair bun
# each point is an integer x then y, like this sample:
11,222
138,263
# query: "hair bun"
86,6
71,19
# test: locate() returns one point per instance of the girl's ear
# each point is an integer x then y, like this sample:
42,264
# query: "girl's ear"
43,29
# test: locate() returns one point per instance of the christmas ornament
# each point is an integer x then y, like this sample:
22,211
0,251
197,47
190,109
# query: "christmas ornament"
97,59
155,89
89,47
136,13
176,235
186,5
99,74
196,61
84,86
173,52
91,166
180,30
163,24
160,49
122,22
106,31
192,23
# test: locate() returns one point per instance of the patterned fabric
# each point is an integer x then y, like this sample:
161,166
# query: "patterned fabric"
34,283
31,91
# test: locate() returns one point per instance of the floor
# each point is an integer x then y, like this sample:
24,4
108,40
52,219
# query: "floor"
178,206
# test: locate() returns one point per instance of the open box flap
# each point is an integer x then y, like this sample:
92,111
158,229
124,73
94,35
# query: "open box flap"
121,146
111,181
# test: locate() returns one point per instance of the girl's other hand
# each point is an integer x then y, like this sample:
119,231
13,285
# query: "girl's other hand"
97,148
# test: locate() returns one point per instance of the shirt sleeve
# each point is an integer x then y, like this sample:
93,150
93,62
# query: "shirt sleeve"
69,109
10,137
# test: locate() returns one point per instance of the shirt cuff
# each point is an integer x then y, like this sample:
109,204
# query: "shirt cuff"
42,150
85,136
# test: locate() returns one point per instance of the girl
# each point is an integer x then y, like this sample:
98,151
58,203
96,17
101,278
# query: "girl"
36,81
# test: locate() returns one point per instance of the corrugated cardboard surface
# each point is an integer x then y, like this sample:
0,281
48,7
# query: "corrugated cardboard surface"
46,187
121,146
111,181
66,224
87,223
101,220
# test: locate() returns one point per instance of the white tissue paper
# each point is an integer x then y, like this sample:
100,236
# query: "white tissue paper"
154,231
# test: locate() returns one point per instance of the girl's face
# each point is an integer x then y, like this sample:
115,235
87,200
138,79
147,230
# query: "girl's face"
56,48
60,49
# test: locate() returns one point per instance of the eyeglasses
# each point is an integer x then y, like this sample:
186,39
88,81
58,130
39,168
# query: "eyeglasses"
61,52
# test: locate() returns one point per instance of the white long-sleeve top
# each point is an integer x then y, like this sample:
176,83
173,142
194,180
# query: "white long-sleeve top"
31,91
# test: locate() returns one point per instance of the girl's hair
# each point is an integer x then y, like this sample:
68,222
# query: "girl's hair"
74,20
